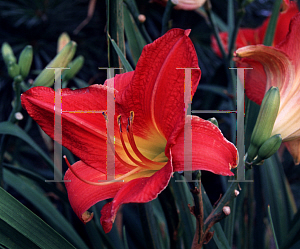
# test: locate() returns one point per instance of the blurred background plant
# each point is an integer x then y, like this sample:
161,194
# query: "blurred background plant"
166,221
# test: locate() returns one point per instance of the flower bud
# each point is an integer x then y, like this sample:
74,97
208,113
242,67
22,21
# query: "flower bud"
142,18
46,77
13,69
265,121
214,121
7,53
63,40
269,147
226,210
25,61
74,66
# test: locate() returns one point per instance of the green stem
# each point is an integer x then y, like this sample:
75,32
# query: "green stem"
166,17
232,39
131,5
115,29
216,34
12,119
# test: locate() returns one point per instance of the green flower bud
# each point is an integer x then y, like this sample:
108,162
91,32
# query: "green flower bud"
7,53
74,66
13,69
18,79
46,77
63,40
265,121
269,147
214,121
25,61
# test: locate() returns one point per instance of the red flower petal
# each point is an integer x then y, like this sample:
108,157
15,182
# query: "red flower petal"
156,93
283,23
120,81
139,190
82,133
210,150
291,45
82,195
248,36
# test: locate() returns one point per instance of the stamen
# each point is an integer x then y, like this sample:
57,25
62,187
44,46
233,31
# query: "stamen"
100,183
126,150
105,116
119,123
116,154
144,159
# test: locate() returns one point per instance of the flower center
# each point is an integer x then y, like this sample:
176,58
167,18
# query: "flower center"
137,165
143,161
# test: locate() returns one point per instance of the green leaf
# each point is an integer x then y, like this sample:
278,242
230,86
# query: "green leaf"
135,39
126,64
230,21
183,197
9,128
275,189
26,223
293,233
37,198
11,238
272,227
38,179
269,36
150,225
133,9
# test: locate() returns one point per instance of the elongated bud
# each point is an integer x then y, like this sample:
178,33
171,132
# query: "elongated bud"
214,121
74,66
269,147
265,121
7,53
63,40
25,61
13,69
46,77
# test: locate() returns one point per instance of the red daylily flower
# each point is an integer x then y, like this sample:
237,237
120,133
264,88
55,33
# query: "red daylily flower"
149,130
249,36
277,66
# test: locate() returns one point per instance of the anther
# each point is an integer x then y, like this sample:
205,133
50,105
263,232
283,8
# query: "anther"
131,117
119,123
105,116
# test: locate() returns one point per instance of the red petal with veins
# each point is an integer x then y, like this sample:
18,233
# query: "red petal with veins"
291,45
283,23
139,190
82,195
82,133
120,81
210,150
156,93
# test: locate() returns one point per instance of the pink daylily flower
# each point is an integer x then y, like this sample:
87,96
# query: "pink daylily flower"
277,66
